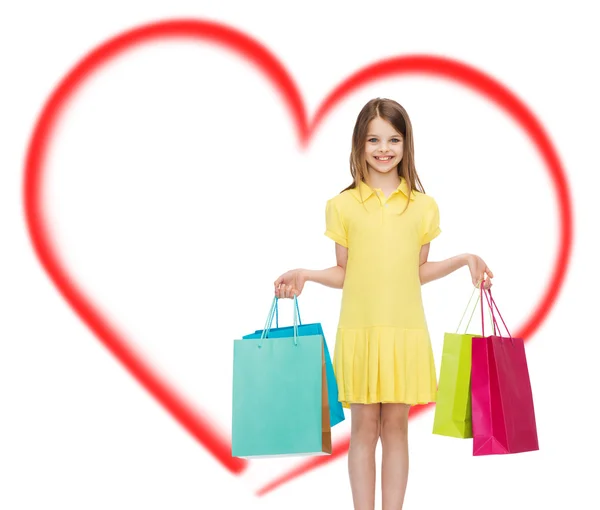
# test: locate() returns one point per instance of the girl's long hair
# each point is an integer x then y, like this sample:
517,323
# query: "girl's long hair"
395,114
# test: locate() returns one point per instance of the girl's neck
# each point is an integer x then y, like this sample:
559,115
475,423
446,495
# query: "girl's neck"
386,182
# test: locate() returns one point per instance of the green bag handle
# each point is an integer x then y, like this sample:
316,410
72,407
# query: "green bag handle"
473,312
269,322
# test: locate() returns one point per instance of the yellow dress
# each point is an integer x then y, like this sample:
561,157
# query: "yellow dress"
382,350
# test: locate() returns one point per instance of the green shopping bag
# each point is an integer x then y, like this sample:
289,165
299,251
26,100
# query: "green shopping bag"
280,398
453,404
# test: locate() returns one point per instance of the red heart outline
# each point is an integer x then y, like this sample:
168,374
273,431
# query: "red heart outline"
198,425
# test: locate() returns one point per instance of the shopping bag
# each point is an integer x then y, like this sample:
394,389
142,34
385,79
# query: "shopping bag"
336,411
452,415
503,413
280,401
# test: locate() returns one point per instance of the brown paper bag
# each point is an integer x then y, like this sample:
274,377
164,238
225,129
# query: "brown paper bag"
326,441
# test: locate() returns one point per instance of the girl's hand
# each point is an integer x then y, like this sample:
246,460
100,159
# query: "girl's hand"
479,271
290,283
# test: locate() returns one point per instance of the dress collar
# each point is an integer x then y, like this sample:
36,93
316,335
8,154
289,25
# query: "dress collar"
363,191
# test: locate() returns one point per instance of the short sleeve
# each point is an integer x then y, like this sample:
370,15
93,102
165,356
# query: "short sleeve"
430,226
334,224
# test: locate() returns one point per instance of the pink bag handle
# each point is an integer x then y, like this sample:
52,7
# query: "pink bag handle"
492,304
494,322
496,306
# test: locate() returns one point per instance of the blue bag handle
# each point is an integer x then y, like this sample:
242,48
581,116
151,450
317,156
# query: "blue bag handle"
277,312
269,322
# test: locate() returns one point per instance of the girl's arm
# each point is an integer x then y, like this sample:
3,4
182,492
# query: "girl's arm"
429,271
333,276
293,281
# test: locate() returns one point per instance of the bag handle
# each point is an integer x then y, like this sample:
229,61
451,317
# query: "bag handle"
270,315
269,322
491,303
473,312
277,313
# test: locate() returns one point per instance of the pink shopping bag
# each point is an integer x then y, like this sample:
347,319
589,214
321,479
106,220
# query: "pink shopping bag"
502,409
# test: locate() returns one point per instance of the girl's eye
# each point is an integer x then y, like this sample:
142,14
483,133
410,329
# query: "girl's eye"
395,140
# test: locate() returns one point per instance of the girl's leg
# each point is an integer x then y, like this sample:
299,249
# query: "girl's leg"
394,455
364,434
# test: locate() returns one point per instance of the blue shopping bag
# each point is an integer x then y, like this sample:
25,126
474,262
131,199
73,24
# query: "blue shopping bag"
336,411
280,405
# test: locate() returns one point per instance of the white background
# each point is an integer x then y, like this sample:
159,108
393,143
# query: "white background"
177,193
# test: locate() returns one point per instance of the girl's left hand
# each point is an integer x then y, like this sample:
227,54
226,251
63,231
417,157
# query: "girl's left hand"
479,271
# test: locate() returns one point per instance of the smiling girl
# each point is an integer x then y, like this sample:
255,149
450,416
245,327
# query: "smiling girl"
382,226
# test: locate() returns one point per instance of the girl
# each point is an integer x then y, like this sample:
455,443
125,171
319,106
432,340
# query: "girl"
382,225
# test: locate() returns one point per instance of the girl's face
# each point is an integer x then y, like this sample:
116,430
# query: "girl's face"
384,146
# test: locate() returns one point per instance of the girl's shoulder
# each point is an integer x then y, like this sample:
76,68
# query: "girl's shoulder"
342,198
424,199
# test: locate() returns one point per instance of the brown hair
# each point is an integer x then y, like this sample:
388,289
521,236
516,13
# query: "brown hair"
392,112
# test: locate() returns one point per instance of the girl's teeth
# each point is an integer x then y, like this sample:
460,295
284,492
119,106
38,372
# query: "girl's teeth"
383,159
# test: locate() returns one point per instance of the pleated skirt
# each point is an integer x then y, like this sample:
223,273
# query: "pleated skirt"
382,364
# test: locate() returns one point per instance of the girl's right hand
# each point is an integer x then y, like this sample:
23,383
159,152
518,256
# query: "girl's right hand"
290,283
